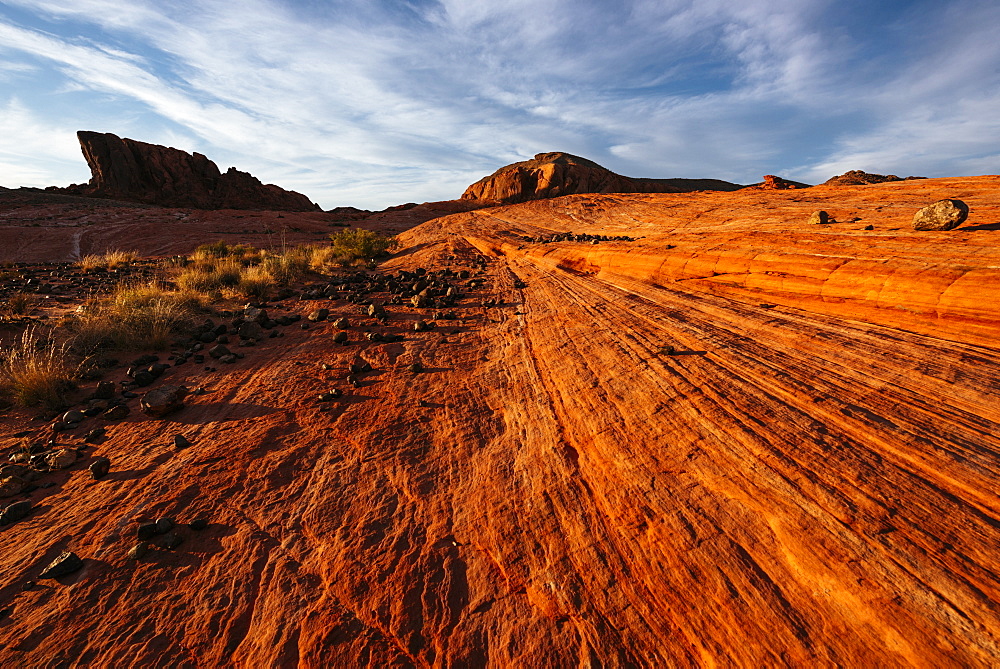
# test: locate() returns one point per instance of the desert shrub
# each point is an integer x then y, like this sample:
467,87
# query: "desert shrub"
18,304
109,260
36,371
135,316
356,244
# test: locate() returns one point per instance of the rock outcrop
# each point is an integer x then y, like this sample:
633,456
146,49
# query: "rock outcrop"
861,178
556,174
717,437
772,182
126,169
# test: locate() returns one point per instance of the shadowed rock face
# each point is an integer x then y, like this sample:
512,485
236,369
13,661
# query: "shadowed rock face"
126,169
555,174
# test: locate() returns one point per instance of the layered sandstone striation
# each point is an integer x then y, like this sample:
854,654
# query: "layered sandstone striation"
717,436
126,169
555,174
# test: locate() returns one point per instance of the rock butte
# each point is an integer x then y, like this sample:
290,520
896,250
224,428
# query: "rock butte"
555,174
810,480
126,169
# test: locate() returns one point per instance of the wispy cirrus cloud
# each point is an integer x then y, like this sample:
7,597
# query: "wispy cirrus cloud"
377,103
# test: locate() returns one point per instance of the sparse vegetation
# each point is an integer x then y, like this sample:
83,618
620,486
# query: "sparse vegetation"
135,316
356,244
244,271
18,304
150,315
36,371
210,274
110,260
243,253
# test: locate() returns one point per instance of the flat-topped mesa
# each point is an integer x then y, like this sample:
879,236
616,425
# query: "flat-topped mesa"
126,169
556,174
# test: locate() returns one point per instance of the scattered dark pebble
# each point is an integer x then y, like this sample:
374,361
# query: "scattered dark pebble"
164,525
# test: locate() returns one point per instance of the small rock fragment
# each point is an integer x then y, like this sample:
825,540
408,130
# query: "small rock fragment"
164,525
819,218
61,459
359,366
198,524
219,351
180,441
95,435
318,315
146,531
15,512
105,390
251,330
99,468
163,400
139,550
116,412
170,541
416,368
65,564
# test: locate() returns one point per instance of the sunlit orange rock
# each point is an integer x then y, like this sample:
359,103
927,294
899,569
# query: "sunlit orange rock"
736,440
555,174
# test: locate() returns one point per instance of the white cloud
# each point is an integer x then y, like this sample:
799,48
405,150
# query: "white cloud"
358,105
31,149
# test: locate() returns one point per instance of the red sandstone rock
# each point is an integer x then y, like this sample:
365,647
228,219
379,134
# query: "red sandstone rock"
126,169
555,174
809,480
772,182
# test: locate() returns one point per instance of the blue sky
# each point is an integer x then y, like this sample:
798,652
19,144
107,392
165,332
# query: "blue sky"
378,102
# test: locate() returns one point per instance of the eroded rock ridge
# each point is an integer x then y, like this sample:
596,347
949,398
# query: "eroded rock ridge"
126,169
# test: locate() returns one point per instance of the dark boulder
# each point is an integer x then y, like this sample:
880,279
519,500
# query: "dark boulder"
64,565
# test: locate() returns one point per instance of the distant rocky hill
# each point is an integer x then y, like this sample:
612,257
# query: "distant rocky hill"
556,174
860,178
126,169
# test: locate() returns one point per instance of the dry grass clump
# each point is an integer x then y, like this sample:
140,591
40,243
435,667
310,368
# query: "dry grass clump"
136,316
243,271
210,274
255,283
110,260
36,371
243,253
18,304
